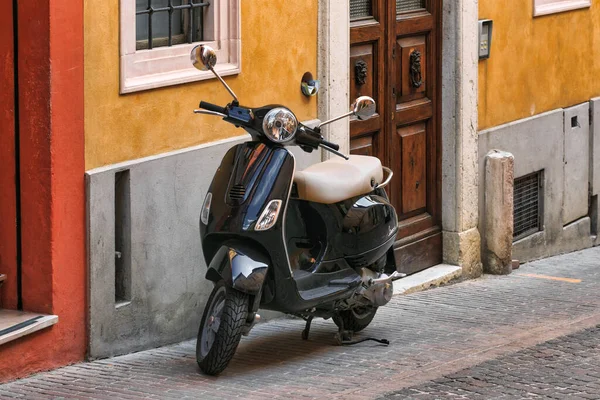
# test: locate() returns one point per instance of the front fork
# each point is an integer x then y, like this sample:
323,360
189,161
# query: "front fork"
253,316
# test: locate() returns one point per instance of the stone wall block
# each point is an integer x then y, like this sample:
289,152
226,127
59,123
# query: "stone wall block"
463,249
498,224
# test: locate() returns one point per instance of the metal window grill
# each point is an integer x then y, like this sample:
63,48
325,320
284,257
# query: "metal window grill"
403,6
527,214
360,9
192,33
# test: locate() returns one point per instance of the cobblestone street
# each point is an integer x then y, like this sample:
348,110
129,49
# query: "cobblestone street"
567,367
533,334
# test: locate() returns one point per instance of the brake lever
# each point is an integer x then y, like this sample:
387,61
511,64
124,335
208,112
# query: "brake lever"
207,112
337,153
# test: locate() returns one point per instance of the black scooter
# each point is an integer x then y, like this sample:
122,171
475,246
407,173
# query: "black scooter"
312,243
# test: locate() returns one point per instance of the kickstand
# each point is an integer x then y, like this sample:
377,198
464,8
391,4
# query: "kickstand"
344,337
306,330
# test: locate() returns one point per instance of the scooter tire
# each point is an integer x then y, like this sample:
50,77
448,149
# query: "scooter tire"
213,358
354,320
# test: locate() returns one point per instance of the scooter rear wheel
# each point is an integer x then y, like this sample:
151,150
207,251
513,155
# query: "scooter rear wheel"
356,319
221,328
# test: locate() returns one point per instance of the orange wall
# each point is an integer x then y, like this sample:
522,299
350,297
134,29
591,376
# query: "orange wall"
52,185
537,64
279,44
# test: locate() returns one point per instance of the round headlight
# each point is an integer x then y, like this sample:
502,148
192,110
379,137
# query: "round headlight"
280,125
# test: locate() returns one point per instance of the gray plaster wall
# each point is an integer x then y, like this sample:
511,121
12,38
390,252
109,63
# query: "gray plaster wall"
548,142
595,164
577,167
167,286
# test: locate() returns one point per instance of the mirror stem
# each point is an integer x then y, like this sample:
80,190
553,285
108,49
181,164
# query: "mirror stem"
226,85
335,119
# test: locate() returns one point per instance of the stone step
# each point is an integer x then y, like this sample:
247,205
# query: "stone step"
15,324
431,277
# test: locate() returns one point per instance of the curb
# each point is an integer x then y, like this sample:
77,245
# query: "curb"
431,277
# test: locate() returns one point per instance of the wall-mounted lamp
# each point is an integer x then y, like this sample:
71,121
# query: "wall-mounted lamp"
485,38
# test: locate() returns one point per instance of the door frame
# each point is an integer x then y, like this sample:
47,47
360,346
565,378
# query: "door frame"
457,82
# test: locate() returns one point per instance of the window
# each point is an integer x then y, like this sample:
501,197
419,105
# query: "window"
168,22
158,35
543,7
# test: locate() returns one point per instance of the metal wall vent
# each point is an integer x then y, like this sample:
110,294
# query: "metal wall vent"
527,212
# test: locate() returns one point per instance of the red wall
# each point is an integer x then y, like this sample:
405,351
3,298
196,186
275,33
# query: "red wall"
50,61
8,212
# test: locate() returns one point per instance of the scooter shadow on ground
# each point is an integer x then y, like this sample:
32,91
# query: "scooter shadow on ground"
276,347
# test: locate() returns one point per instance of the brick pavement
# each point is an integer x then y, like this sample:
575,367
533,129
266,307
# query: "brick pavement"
433,334
567,367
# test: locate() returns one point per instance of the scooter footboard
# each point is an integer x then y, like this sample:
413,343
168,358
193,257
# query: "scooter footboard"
240,266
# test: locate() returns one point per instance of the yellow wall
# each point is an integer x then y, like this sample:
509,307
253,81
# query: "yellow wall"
537,64
279,44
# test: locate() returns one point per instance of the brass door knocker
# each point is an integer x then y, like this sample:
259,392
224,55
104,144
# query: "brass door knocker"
415,69
360,72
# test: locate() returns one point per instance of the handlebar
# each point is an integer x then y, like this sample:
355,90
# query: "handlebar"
213,107
307,136
330,145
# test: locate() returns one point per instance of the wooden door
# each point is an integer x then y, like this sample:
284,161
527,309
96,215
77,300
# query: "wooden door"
395,58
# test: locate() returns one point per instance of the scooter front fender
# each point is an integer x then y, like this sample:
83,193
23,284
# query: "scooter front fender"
240,266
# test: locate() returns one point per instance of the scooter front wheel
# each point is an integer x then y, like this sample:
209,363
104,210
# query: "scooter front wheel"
221,328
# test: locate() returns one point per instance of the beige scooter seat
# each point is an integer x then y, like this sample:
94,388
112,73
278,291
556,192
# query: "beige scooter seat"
337,179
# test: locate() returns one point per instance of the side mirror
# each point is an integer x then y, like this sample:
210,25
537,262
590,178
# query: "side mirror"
364,107
203,57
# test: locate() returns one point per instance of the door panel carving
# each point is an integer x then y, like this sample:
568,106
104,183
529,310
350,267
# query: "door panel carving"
414,183
364,146
362,71
408,48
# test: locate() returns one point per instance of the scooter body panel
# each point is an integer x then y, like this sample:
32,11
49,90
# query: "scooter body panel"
251,174
358,230
240,266
336,239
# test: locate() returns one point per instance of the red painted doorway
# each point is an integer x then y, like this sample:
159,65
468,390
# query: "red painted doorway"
8,160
